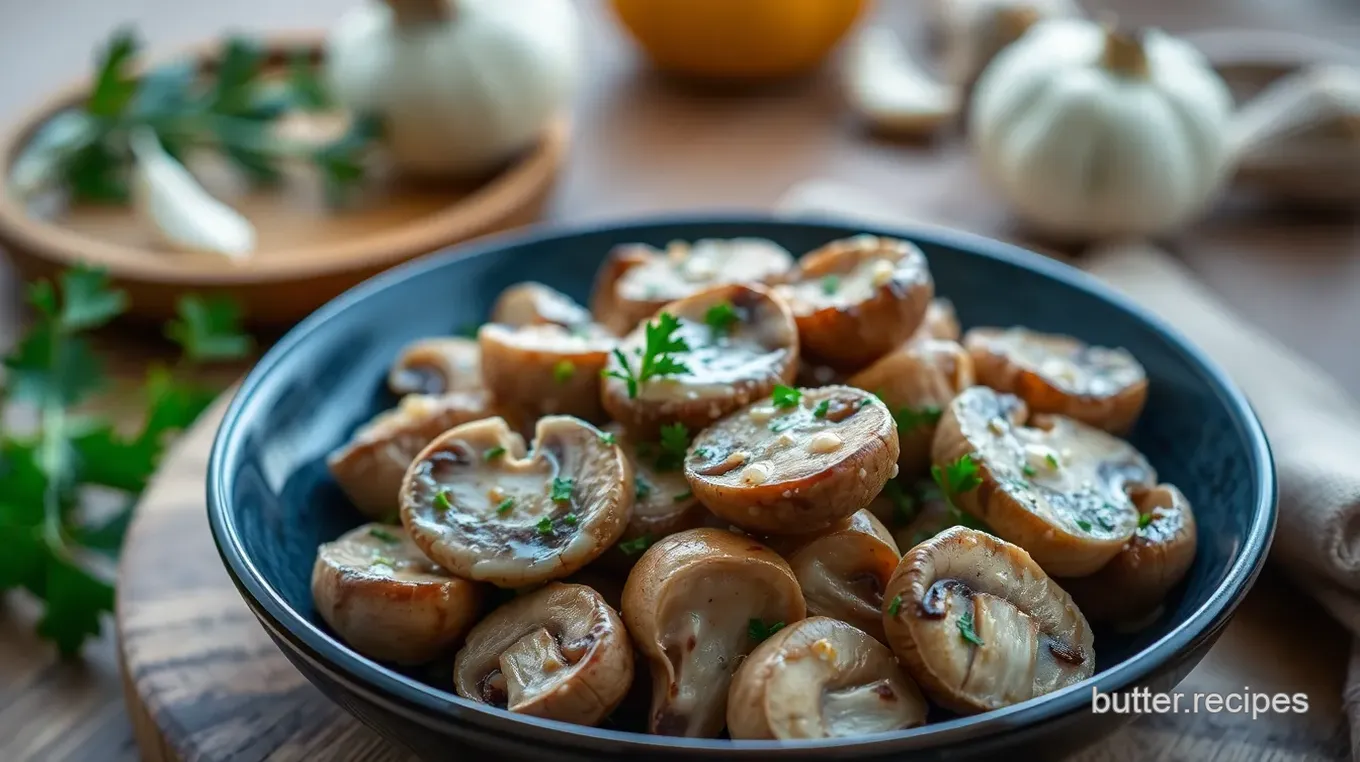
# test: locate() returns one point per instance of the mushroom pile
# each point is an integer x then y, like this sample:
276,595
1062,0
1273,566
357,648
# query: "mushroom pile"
750,495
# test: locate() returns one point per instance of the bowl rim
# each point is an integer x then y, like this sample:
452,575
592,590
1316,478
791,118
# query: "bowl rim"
436,708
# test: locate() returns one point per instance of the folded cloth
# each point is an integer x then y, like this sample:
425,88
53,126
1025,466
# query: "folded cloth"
1313,425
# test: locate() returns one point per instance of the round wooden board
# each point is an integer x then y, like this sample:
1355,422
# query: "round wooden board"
307,252
204,683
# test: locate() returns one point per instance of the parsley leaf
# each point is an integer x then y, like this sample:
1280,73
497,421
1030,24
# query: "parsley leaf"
674,446
505,506
442,502
659,344
563,371
895,606
641,487
760,632
1144,520
954,479
682,496
608,438
822,409
909,419
966,631
115,83
569,519
830,284
209,329
720,318
636,545
384,535
545,525
1084,524
491,453
561,489
786,396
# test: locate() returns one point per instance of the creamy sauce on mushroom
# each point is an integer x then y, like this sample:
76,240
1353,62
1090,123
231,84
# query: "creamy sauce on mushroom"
1068,364
684,268
846,273
383,552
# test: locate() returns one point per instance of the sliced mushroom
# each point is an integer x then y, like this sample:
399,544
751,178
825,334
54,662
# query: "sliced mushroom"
980,626
560,653
1130,589
663,503
696,603
385,599
544,369
370,467
1059,374
437,366
916,381
843,569
857,298
940,322
739,341
820,678
797,468
1056,487
481,509
533,303
638,280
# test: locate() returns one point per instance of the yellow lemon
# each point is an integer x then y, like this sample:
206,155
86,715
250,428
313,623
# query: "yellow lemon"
738,39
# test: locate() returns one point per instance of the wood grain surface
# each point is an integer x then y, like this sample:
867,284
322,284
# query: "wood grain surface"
644,145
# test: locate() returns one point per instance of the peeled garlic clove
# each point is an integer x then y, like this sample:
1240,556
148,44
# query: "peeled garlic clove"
973,31
1300,138
891,91
183,213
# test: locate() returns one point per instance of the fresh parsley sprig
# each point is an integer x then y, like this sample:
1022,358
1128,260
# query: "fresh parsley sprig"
760,632
660,344
955,479
51,547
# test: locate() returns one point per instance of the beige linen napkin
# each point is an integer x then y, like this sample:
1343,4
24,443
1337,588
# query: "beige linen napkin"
1313,426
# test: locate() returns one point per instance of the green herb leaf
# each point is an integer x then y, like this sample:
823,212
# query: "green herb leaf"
909,419
636,545
76,599
760,632
442,502
88,301
786,396
384,535
563,371
822,408
209,329
1144,520
675,443
1084,524
966,631
304,83
608,438
505,506
237,74
545,525
720,317
115,83
904,504
491,453
569,519
641,487
561,490
1051,460
387,561
1029,470
895,606
957,477
831,284
660,344
683,496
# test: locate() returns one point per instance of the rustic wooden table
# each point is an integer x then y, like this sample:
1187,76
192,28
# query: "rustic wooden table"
644,145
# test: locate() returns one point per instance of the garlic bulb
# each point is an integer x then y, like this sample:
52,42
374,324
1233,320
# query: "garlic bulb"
973,31
183,214
461,85
1091,133
891,91
1300,138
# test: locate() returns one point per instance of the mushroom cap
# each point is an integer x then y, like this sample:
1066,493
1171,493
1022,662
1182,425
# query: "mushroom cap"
663,503
789,470
690,604
483,510
544,369
857,298
560,653
1056,487
916,381
726,368
437,366
821,678
388,601
637,280
980,626
843,569
370,467
532,303
1136,581
1099,386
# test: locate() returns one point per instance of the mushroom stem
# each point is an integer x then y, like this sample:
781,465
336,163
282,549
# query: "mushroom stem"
412,13
1124,54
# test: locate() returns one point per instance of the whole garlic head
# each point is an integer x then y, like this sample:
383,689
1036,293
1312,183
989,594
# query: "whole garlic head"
974,31
1089,133
461,85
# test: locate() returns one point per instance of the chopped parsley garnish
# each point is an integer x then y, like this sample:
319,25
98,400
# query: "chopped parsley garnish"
545,525
821,410
505,506
683,496
636,545
720,318
867,401
1029,470
385,561
608,438
904,504
1144,520
674,446
1084,524
660,343
641,488
1051,460
955,479
1104,522
492,453
966,630
569,519
831,284
760,632
783,424
895,606
701,452
909,419
786,396
561,490
384,535
442,502
563,371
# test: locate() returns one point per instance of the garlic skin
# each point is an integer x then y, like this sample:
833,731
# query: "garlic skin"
1089,133
973,31
461,85
890,91
1299,139
181,211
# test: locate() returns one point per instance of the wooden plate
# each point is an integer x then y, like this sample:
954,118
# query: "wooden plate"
307,253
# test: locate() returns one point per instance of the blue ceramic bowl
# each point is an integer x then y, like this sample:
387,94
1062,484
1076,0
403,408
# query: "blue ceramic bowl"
271,500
